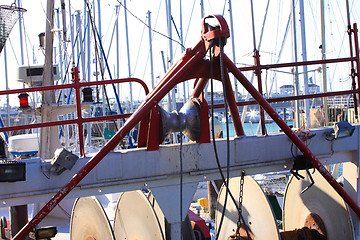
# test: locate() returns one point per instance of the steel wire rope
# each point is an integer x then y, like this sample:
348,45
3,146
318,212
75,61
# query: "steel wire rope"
148,55
188,26
136,17
316,35
253,73
28,64
68,67
181,179
96,34
13,50
217,156
138,53
355,13
109,25
280,51
340,49
101,68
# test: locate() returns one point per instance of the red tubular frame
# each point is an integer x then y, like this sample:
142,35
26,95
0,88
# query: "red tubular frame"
180,71
80,120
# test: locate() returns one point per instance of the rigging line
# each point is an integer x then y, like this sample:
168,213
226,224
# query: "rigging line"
211,10
109,25
215,149
253,75
12,48
188,26
152,38
155,31
67,70
263,25
181,180
277,28
177,32
176,29
342,17
102,71
315,36
139,49
111,40
253,23
107,67
223,11
336,65
281,49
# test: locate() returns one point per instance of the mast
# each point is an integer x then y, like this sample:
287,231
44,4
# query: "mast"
296,69
172,100
233,48
79,44
71,33
59,36
304,55
151,52
323,53
21,36
7,88
257,73
117,9
63,19
128,56
49,141
182,48
202,13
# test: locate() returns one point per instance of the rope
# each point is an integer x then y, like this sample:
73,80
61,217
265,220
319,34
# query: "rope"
149,26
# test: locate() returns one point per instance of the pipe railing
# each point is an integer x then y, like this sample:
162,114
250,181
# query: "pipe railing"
79,120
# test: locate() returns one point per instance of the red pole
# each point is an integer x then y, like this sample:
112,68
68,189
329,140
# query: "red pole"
293,137
231,101
75,75
357,61
169,83
258,75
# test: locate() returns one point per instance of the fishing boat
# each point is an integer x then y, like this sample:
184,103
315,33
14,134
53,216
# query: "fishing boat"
146,192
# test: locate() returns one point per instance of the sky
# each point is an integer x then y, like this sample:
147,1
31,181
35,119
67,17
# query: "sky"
269,38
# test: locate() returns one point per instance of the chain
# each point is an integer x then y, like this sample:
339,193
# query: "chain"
241,196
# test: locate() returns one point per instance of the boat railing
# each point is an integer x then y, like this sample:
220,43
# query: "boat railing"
79,120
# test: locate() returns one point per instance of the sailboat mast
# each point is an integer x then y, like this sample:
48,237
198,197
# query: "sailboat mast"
71,33
117,9
182,48
304,55
323,53
296,69
233,48
172,100
151,51
128,55
49,136
7,87
21,36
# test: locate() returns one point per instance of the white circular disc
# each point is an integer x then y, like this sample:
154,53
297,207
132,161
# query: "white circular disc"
135,218
89,221
320,199
256,211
